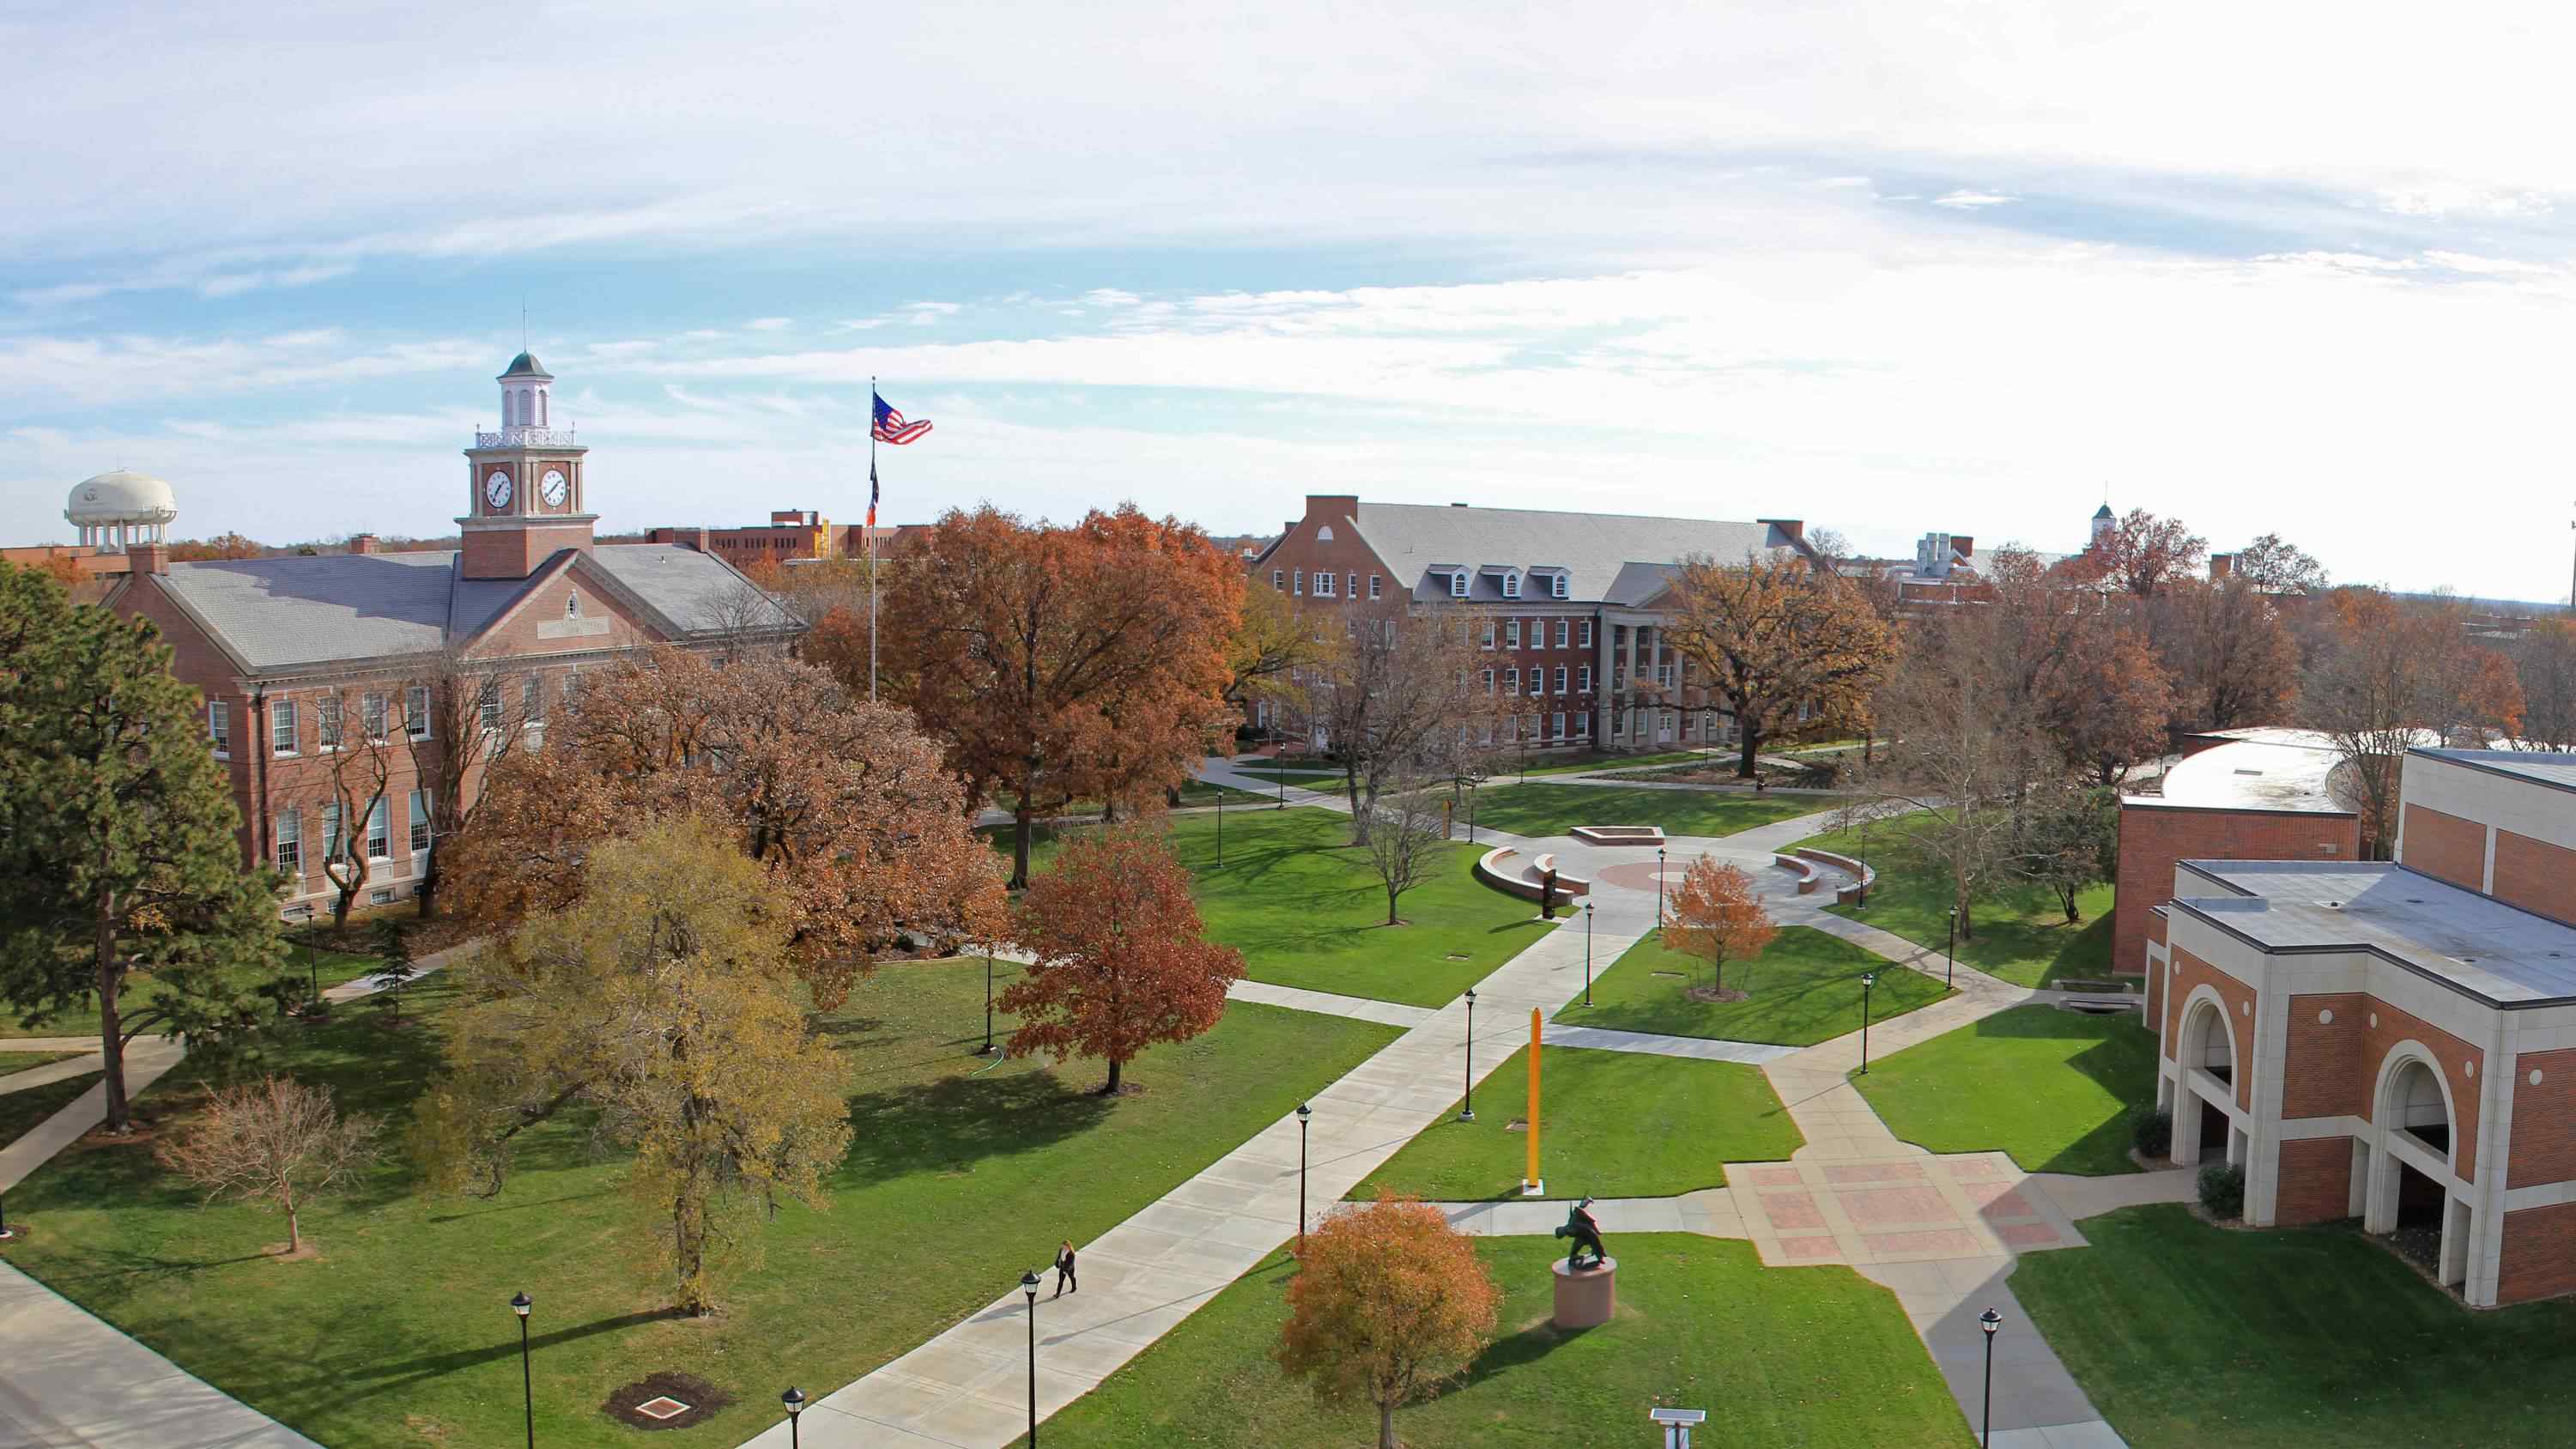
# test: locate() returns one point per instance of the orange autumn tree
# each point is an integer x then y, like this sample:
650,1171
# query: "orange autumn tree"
1769,637
1063,663
861,834
1121,962
1389,1303
1716,913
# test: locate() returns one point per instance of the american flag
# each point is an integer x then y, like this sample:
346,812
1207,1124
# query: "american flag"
890,426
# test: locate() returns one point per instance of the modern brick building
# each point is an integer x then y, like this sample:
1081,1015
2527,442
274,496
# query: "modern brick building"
2248,794
1570,605
306,660
2394,1040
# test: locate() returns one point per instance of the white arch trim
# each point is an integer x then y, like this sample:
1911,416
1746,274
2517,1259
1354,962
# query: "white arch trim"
2411,1050
2191,1005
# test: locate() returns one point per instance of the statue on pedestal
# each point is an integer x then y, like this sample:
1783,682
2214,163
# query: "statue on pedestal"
1586,1233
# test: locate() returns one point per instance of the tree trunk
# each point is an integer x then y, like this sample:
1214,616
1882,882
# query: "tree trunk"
1020,843
428,894
1386,1424
1391,894
294,1224
111,1040
1746,766
1111,1090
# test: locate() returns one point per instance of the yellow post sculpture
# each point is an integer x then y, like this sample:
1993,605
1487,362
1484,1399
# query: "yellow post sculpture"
1531,1184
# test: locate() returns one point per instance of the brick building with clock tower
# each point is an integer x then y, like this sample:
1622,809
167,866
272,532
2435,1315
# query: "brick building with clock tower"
314,665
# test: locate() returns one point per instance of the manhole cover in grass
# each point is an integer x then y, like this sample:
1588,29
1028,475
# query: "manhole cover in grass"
1517,1124
1460,956
665,1401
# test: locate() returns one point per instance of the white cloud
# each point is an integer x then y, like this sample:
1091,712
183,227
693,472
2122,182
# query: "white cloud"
770,324
1966,200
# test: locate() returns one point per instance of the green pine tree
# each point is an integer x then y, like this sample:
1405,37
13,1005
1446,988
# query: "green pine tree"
120,854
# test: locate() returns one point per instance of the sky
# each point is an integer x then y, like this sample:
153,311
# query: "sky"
1890,268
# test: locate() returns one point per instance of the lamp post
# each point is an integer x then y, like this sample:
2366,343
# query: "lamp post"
1276,762
1467,1113
1029,1286
6,1232
1220,827
1587,953
520,1304
1659,893
1950,953
1471,812
1989,1320
1304,1112
795,1403
986,1049
1868,979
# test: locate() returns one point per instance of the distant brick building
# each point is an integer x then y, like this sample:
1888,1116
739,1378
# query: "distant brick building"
1569,606
300,658
2394,1041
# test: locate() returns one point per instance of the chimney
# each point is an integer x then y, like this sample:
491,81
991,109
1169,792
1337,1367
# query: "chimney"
363,543
1964,546
147,558
2221,565
1795,528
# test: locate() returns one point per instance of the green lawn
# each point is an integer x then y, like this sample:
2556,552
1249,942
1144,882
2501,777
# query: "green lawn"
331,966
962,1175
2185,1334
2049,1086
23,1061
1804,1358
1614,1124
23,1109
1537,810
1306,910
2022,935
1803,990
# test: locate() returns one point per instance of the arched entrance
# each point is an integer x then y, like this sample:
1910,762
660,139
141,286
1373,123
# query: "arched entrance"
2204,1115
2413,1193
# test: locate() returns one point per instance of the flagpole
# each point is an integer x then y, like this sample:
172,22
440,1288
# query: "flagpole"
872,540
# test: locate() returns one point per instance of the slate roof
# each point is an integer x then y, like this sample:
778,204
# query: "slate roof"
526,365
1608,557
298,611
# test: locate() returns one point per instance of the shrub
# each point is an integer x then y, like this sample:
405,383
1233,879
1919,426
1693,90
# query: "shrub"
2151,1131
2222,1189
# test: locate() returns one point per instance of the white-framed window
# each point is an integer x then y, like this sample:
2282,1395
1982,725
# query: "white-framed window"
219,727
1564,632
1489,634
532,699
1586,633
331,831
1511,633
1324,534
418,806
1489,681
326,723
1560,679
381,896
487,705
1374,581
380,835
1619,676
1323,585
1485,736
1556,586
1511,681
371,715
1279,580
1558,721
1583,725
1458,584
1353,591
1300,590
1583,679
290,841
281,727
1538,682
416,711
572,605
1511,586
1664,675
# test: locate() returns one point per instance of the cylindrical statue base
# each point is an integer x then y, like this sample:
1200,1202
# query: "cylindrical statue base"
1588,1298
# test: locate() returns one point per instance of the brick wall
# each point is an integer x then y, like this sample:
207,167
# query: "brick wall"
2445,847
2539,1254
2544,1119
2153,837
2535,875
2189,972
2315,1182
2328,1068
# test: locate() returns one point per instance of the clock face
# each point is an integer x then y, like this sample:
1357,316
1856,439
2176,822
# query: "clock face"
496,489
552,488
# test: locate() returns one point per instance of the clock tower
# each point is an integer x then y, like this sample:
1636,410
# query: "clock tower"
524,502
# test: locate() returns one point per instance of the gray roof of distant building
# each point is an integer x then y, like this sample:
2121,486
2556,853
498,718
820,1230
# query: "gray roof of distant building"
1608,557
2480,945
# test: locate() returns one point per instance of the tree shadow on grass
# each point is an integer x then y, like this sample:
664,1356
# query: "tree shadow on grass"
1517,1350
951,1124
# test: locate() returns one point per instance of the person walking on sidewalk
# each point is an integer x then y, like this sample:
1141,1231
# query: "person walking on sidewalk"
1064,1269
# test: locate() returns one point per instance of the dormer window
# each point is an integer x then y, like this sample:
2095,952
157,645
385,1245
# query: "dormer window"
1324,533
1458,584
1511,586
1556,586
